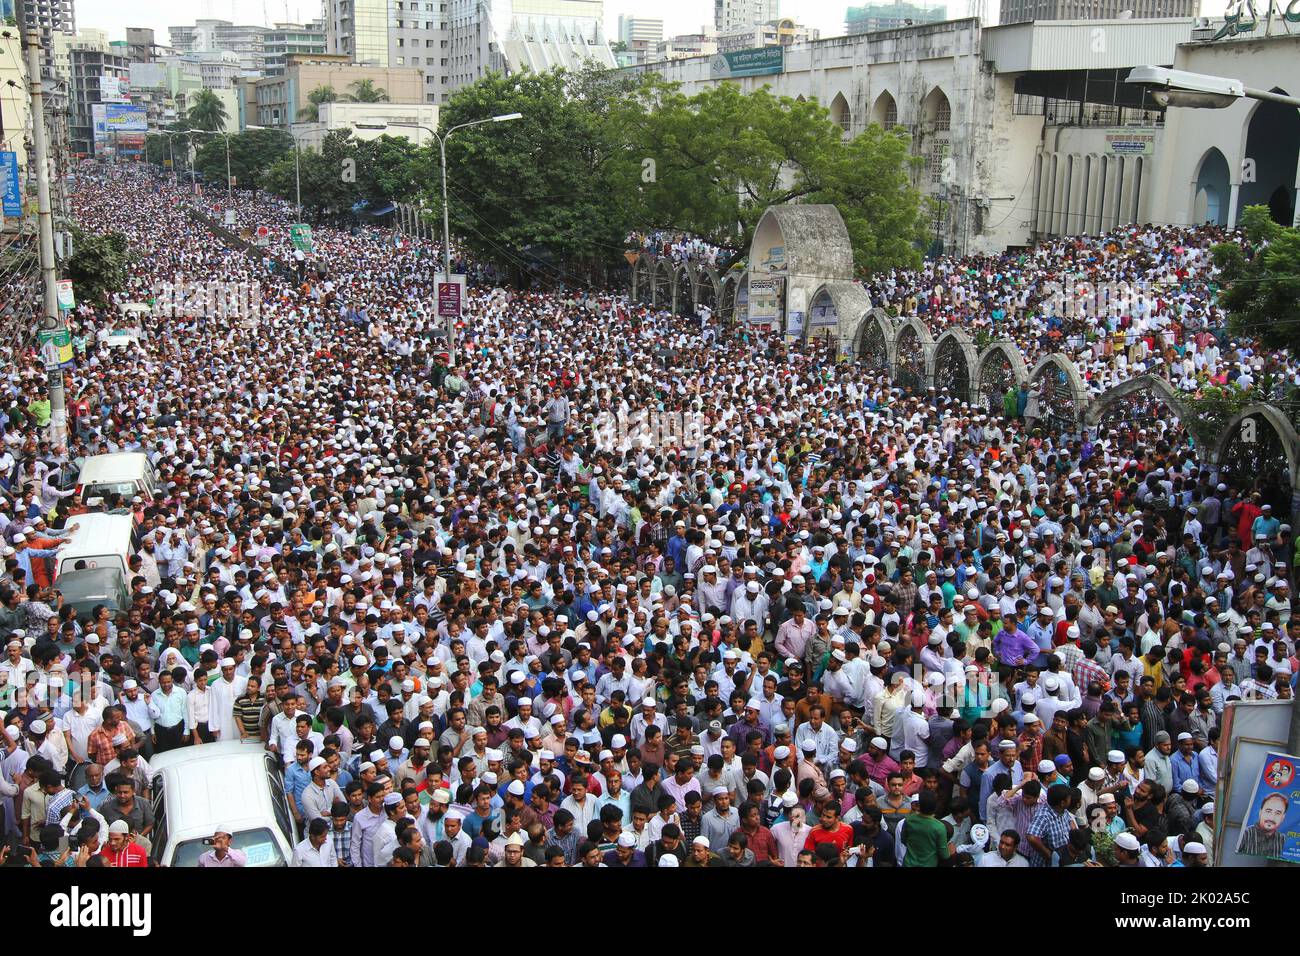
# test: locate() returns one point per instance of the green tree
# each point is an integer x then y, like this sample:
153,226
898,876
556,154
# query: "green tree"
868,179
365,91
98,265
251,152
390,168
321,94
1261,289
723,156
550,187
206,111
325,193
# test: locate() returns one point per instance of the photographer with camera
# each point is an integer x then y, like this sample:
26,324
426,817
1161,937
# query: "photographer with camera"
222,853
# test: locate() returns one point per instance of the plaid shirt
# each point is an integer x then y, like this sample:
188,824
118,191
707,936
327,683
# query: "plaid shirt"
343,844
99,746
1086,671
1070,654
1053,828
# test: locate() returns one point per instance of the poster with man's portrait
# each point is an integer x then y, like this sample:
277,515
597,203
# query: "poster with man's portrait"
1272,825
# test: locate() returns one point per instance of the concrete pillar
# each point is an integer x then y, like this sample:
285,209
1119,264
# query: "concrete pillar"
1295,216
1232,203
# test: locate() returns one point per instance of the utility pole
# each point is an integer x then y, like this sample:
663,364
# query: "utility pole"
51,318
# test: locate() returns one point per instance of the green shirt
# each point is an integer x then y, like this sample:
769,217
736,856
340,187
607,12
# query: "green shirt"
40,410
926,840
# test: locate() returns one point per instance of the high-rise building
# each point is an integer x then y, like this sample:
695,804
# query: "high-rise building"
890,16
1022,11
88,69
506,36
730,14
392,33
62,45
281,100
44,19
246,41
286,38
639,30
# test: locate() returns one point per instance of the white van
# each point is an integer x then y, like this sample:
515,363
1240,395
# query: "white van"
126,473
100,541
228,784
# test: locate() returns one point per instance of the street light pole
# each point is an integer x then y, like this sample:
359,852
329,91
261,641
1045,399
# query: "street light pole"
1205,91
230,189
52,317
446,222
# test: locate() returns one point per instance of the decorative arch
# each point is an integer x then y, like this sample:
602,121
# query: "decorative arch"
1060,390
727,294
1273,148
841,113
1158,388
874,340
1000,366
1211,186
662,291
936,110
911,362
838,305
885,110
684,290
955,360
707,287
1256,453
642,277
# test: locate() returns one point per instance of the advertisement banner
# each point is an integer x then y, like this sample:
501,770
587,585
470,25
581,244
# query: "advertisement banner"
300,236
1131,142
12,186
451,298
764,301
114,89
55,347
759,61
119,126
1271,827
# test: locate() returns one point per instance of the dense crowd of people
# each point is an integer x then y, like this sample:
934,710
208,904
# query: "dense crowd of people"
1131,302
840,626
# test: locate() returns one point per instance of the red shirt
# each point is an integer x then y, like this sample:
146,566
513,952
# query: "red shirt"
130,855
841,837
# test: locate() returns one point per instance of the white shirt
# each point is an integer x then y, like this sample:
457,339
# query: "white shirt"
304,854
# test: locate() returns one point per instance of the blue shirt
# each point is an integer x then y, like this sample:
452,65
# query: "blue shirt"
1016,772
296,779
1184,768
97,798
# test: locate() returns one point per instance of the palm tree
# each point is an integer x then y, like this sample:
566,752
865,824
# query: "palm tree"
206,111
322,94
365,91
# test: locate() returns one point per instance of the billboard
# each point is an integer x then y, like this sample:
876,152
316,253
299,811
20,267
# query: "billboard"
119,126
12,188
764,301
1271,828
114,89
759,61
1130,142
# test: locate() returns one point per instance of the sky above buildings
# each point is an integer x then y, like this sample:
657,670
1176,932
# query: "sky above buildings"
679,16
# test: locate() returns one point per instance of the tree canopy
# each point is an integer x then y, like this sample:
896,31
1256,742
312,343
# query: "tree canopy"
598,154
251,152
1262,288
206,111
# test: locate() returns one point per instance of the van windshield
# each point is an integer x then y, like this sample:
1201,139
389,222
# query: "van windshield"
259,845
103,489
